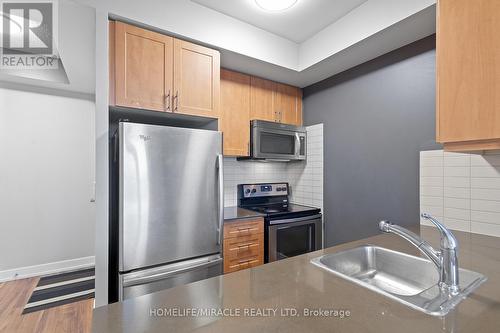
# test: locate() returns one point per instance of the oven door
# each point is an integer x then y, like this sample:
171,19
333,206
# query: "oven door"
292,237
278,144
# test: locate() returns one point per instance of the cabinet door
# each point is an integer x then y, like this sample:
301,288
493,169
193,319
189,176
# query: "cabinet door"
196,79
234,119
262,99
468,71
287,104
143,68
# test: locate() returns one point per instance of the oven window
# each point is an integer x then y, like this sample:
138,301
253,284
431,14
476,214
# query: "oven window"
271,143
292,241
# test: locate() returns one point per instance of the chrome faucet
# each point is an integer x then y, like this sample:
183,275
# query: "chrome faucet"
445,259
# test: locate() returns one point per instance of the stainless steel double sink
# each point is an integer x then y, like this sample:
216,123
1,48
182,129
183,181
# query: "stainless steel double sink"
407,279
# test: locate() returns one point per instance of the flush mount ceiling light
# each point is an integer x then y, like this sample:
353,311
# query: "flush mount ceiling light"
275,5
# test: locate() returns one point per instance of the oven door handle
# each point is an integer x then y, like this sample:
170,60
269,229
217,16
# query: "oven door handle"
298,219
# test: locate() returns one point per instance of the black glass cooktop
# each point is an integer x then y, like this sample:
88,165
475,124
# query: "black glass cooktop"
281,209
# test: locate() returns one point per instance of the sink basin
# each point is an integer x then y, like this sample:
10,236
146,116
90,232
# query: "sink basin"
407,279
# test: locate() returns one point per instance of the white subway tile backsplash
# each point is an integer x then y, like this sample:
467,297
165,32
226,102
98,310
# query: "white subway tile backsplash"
485,194
456,203
455,171
457,182
457,213
459,161
431,201
457,224
431,181
432,161
433,210
485,171
430,153
485,205
491,183
457,192
486,217
431,171
470,190
485,228
431,191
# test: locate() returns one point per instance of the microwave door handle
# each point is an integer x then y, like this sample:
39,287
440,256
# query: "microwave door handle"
297,144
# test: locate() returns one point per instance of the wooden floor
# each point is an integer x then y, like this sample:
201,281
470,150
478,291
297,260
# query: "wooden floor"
73,317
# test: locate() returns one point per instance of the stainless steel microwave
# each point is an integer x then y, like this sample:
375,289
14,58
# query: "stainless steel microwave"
275,141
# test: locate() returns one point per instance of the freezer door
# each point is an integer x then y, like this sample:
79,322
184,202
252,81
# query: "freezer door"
170,194
164,277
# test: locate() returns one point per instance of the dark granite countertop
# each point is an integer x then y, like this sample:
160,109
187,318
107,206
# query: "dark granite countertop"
296,284
237,213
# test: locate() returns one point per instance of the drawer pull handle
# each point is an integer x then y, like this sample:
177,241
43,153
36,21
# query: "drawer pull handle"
243,230
243,247
244,263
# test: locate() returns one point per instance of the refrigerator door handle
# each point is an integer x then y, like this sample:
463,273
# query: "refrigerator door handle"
220,164
163,273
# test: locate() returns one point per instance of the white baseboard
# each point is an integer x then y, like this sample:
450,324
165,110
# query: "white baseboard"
46,269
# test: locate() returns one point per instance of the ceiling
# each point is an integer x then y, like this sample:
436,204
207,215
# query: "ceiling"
346,37
297,24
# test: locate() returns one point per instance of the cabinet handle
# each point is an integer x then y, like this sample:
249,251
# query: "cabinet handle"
167,101
243,230
244,263
176,99
245,247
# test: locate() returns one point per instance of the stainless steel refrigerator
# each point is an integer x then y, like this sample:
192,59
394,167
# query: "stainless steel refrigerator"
170,207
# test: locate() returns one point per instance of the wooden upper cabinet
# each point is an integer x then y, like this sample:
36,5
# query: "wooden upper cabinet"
196,79
234,119
272,101
152,71
143,68
468,74
262,99
288,104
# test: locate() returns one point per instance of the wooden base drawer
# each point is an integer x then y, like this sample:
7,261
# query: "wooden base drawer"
239,264
237,248
243,228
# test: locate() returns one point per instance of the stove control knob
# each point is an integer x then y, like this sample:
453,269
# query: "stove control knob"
278,189
254,190
247,191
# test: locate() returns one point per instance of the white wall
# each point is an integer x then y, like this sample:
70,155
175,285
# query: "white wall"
76,46
193,21
46,180
462,190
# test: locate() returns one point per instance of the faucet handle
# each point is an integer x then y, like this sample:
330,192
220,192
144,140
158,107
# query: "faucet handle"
448,240
384,225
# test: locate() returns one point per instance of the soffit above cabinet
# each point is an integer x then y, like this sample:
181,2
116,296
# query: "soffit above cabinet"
354,32
298,23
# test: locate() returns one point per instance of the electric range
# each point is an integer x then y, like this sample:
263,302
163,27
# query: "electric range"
290,229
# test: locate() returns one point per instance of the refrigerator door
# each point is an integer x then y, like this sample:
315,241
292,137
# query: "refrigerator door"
150,280
170,194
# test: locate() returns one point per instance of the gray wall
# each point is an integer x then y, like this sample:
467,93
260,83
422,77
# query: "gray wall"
377,117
